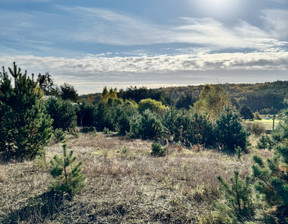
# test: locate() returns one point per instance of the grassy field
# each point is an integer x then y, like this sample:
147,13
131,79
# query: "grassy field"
125,184
268,124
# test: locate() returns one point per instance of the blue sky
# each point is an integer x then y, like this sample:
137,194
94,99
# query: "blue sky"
120,43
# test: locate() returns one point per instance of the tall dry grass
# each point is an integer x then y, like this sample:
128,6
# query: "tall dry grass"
125,184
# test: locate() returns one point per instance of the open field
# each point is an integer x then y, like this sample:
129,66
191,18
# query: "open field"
124,184
268,124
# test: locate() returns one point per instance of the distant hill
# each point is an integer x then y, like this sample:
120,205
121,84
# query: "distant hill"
265,97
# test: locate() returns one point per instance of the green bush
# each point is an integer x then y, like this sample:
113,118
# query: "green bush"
150,126
25,125
272,182
63,114
68,176
238,206
59,135
124,116
265,142
246,112
152,105
85,114
158,150
191,127
135,121
105,116
106,131
230,132
272,177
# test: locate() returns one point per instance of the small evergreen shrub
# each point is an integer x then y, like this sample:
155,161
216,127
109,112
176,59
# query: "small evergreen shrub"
124,115
237,205
158,150
105,115
106,131
67,174
272,182
134,126
192,128
59,135
150,126
265,142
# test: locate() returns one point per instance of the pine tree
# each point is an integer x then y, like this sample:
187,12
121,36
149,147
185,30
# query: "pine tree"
238,204
68,92
68,174
63,114
25,127
246,112
230,132
272,177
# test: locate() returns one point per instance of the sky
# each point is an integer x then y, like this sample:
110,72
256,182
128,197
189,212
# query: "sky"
154,43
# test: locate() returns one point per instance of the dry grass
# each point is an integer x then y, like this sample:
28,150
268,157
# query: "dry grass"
124,183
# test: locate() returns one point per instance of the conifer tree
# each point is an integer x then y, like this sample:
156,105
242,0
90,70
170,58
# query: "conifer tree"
230,132
68,92
67,173
238,205
272,177
25,127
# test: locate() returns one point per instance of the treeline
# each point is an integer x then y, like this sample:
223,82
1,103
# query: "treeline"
265,98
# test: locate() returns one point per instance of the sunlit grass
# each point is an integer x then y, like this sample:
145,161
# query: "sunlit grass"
125,184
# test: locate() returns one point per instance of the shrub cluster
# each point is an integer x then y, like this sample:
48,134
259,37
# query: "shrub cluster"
151,120
158,150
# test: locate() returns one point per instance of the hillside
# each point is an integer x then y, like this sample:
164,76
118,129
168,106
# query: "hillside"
265,97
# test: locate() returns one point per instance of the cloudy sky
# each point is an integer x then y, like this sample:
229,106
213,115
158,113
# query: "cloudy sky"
120,43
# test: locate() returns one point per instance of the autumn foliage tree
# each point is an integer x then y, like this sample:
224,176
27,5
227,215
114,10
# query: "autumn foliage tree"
212,100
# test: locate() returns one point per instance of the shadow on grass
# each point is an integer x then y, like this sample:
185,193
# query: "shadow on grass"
37,209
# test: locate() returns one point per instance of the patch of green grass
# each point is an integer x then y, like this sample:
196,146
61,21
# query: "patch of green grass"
268,124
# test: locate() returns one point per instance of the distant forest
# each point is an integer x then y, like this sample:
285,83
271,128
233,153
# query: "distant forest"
266,98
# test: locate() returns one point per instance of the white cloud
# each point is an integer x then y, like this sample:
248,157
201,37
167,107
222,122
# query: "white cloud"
91,26
196,63
118,71
104,26
276,22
